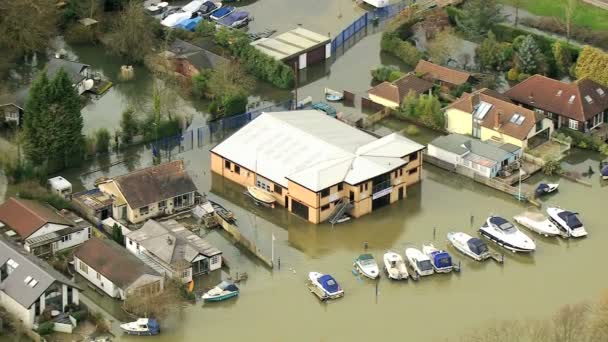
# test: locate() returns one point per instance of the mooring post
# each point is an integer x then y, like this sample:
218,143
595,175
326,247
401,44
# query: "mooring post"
279,263
377,291
434,233
365,245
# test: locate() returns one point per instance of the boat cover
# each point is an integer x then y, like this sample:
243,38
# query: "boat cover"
222,11
233,17
571,219
477,246
442,259
207,7
605,171
542,188
189,24
228,286
501,223
329,283
153,325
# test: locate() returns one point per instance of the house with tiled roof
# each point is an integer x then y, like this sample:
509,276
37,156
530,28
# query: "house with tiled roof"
488,115
443,76
391,94
115,271
581,105
42,229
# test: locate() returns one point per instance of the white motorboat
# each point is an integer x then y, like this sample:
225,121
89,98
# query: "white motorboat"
193,6
506,235
546,188
366,265
326,284
261,195
441,260
141,327
567,221
470,246
222,291
377,3
537,223
395,266
419,261
174,19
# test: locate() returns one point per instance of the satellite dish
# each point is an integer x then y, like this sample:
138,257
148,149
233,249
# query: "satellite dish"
88,84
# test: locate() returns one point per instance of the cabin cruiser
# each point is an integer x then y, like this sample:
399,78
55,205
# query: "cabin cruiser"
193,6
142,327
470,246
207,7
506,235
395,266
366,265
419,261
441,260
537,223
222,291
221,12
567,221
235,19
327,284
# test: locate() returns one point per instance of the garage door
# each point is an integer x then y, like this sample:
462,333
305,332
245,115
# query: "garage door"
540,138
315,55
299,209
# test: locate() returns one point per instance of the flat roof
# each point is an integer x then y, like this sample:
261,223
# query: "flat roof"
313,150
291,43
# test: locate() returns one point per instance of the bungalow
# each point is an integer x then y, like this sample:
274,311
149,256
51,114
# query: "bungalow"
391,95
115,271
150,192
42,229
189,59
315,165
445,77
488,115
483,158
12,107
29,287
77,72
173,250
580,105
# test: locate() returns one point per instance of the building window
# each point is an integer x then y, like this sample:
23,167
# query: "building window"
325,207
89,231
237,169
83,267
143,210
365,186
130,242
412,171
185,273
414,156
263,183
98,276
66,238
340,187
215,259
278,189
573,124
324,193
361,188
401,172
227,164
539,126
162,205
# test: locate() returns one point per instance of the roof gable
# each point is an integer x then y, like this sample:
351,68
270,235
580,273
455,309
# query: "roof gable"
73,69
441,73
26,216
397,90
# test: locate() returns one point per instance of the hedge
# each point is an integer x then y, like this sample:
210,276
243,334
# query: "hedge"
508,33
401,49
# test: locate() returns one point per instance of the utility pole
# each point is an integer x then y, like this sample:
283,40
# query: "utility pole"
295,84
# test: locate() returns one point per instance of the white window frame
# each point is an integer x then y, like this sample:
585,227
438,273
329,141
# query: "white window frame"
572,124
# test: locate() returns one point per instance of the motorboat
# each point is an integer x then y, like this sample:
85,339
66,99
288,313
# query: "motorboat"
170,11
537,223
567,221
544,188
326,284
377,3
333,95
175,18
222,291
207,7
141,327
366,265
604,172
261,195
158,8
441,260
235,19
419,261
395,266
221,12
470,246
193,6
189,24
506,235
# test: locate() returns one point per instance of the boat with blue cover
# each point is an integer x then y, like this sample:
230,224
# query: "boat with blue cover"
441,260
544,188
189,24
142,327
222,291
327,287
604,172
235,19
221,12
567,221
470,246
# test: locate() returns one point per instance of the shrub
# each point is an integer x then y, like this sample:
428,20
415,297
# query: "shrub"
412,130
592,63
552,167
580,139
205,28
465,87
513,74
128,125
79,315
522,77
405,51
200,83
509,34
453,14
102,140
604,149
80,34
386,73
45,328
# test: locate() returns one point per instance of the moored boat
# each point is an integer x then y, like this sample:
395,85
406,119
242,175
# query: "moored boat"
537,223
222,291
395,266
327,287
377,3
141,327
333,95
506,235
419,261
470,246
235,19
567,221
544,188
366,265
261,195
604,172
174,19
441,260
208,7
221,12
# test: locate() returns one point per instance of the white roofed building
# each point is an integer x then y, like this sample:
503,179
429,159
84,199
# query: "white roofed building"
310,161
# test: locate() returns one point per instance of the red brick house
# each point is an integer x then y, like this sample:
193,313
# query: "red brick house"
445,77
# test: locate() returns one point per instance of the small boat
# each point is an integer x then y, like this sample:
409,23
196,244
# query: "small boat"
326,284
222,291
156,9
441,260
175,18
544,188
193,6
567,221
470,246
506,235
419,262
324,107
395,266
333,95
259,35
537,223
377,3
170,11
142,327
604,172
235,19
261,195
208,7
224,213
221,12
189,24
366,265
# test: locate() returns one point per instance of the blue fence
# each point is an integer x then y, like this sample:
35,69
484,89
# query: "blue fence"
378,15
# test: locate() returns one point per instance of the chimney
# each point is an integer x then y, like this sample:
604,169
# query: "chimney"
475,98
531,97
497,119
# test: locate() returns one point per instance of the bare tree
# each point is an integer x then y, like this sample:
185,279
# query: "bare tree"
26,26
570,323
442,46
569,8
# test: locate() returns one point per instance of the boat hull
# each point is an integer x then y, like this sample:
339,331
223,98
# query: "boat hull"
397,271
539,227
367,273
221,297
261,195
321,292
505,244
462,248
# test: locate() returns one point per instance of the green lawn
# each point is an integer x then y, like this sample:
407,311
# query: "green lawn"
585,14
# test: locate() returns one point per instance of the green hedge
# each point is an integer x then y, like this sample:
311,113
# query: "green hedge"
405,51
508,33
582,140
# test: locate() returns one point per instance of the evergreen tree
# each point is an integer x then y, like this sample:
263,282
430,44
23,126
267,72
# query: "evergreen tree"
409,105
562,57
117,235
128,125
53,124
488,53
478,17
530,58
